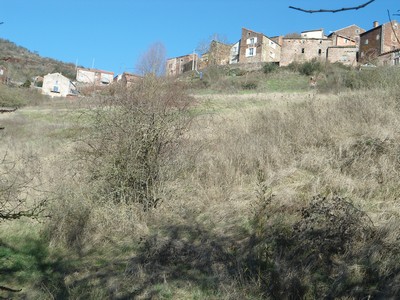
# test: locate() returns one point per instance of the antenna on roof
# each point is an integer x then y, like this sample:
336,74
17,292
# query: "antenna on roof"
93,63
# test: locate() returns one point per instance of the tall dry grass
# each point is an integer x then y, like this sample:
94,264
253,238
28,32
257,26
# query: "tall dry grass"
264,195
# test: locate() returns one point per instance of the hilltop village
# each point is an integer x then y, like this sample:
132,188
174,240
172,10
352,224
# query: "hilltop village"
351,46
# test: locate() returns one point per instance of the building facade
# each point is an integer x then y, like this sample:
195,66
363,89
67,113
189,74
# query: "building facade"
57,85
181,64
346,55
94,76
218,54
234,53
256,47
378,40
304,49
343,36
128,79
313,34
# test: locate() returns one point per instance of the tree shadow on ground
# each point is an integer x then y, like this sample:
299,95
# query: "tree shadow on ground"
177,254
19,264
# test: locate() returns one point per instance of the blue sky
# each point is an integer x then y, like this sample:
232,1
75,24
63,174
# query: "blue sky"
114,34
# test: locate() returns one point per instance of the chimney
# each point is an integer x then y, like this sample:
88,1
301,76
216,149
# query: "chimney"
376,24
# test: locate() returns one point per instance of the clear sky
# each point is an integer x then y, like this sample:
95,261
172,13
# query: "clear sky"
114,34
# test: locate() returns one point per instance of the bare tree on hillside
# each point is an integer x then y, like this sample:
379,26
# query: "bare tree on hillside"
362,5
153,60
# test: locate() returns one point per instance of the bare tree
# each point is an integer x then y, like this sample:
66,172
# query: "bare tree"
153,60
362,5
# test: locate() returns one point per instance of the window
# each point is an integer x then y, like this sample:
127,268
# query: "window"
302,50
319,51
366,42
250,52
251,41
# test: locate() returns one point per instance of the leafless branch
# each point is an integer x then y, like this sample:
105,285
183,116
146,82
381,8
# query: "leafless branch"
332,10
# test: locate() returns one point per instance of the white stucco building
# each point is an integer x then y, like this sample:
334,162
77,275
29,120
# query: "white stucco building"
94,76
57,85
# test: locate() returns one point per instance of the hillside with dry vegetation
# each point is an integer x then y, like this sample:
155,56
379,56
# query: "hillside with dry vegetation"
239,185
22,64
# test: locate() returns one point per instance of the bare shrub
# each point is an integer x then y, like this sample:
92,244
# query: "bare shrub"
302,258
20,194
134,137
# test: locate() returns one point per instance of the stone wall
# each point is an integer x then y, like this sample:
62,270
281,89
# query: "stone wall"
344,55
302,50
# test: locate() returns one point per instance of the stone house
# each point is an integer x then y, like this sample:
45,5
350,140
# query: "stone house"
391,58
218,54
378,40
305,48
181,64
94,76
346,55
256,47
57,85
347,36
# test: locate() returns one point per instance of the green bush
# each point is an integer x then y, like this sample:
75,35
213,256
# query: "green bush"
26,84
236,72
307,68
252,85
270,67
310,67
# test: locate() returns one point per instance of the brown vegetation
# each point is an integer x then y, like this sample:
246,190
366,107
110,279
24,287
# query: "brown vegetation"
161,194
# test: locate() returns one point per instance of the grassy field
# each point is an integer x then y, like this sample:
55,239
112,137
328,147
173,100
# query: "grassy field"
278,193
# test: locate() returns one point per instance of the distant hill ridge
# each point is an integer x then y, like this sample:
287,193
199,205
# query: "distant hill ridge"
23,64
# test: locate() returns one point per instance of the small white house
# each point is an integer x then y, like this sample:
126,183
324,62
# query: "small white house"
94,76
57,85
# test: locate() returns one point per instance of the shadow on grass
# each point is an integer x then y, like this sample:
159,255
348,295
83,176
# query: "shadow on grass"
188,257
31,263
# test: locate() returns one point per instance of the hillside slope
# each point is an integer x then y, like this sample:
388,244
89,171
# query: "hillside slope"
23,64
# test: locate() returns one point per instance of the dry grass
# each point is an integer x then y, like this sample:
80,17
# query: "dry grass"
249,166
